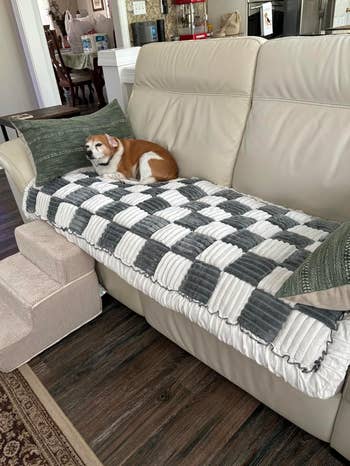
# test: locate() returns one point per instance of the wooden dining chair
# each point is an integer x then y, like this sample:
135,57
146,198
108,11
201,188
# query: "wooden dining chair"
68,80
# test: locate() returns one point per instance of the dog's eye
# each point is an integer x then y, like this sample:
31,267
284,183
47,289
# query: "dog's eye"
98,144
86,146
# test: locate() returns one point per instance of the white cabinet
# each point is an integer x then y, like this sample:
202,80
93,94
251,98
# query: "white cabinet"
119,73
217,8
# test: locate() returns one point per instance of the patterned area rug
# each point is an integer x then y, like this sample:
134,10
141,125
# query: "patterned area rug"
33,429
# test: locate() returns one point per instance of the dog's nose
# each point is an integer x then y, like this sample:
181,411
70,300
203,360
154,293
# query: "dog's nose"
89,154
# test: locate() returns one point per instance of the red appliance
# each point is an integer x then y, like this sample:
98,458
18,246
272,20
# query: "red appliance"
192,19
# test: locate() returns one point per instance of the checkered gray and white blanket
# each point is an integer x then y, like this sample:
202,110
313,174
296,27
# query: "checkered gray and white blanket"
213,254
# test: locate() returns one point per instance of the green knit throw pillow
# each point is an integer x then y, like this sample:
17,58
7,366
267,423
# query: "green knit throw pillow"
58,146
327,267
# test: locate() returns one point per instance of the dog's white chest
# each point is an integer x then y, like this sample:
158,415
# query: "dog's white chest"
111,168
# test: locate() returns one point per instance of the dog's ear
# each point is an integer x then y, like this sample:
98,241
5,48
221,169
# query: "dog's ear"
111,141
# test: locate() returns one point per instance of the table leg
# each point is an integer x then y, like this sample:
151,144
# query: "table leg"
4,132
98,81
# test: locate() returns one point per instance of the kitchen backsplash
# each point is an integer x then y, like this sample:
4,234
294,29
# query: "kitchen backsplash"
153,13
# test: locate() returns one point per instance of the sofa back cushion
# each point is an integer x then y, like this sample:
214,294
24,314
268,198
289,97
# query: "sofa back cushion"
193,98
296,147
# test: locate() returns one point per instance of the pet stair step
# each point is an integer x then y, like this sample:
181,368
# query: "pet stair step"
52,253
37,311
23,285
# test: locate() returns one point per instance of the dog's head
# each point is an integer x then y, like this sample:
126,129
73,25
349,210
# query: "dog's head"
100,148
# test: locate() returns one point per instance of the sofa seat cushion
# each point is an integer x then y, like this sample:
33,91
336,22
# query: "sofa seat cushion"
214,255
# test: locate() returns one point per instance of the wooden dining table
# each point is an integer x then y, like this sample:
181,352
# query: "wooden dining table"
86,61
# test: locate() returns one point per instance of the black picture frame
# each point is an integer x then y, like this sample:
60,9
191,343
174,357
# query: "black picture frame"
97,5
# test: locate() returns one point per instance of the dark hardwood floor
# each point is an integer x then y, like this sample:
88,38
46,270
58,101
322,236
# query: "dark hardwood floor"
9,219
138,399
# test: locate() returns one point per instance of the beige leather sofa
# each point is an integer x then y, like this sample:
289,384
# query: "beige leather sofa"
268,118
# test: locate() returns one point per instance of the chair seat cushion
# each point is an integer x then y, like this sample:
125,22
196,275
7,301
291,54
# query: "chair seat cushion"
80,76
215,255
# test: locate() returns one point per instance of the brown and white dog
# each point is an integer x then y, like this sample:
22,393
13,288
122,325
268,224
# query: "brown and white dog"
126,159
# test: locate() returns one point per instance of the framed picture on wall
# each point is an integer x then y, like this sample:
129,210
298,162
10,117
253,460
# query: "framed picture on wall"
97,5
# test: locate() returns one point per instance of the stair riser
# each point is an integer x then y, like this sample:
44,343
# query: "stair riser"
55,318
14,328
10,299
52,253
33,250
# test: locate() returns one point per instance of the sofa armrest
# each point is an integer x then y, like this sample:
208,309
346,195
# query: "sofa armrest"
15,160
346,388
18,167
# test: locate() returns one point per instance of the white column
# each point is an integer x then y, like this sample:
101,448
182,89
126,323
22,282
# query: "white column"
119,72
120,22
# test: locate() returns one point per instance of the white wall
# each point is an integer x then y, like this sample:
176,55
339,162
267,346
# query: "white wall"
16,89
217,8
87,5
71,5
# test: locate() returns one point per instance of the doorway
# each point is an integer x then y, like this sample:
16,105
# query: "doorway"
74,59
31,17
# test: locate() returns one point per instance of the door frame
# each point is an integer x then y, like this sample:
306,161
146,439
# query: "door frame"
33,40
37,55
120,22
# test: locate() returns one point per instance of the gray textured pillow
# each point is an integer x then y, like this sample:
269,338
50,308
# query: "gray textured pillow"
323,279
58,146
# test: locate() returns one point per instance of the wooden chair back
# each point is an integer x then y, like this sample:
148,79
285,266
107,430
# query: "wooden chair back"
61,71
